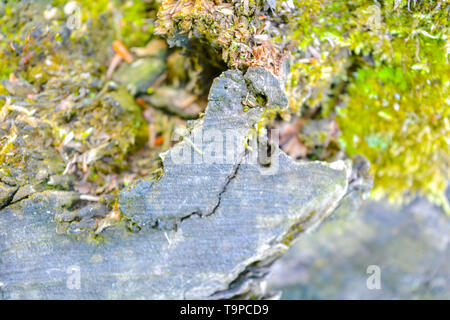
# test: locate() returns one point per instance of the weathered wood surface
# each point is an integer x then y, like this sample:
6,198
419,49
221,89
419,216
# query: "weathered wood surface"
205,226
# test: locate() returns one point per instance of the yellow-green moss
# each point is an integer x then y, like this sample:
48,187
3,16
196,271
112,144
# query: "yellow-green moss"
233,29
385,65
71,96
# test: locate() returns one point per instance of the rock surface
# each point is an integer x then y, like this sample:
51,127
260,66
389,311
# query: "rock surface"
140,75
409,244
207,227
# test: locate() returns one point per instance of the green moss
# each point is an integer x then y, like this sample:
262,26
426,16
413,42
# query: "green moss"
384,69
403,132
227,27
381,68
72,114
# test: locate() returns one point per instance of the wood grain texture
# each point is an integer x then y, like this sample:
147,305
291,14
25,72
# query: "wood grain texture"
205,227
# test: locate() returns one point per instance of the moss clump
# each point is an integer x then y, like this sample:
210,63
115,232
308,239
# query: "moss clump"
383,68
59,115
234,29
400,122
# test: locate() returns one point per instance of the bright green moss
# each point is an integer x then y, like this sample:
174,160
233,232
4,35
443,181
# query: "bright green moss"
386,67
404,133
